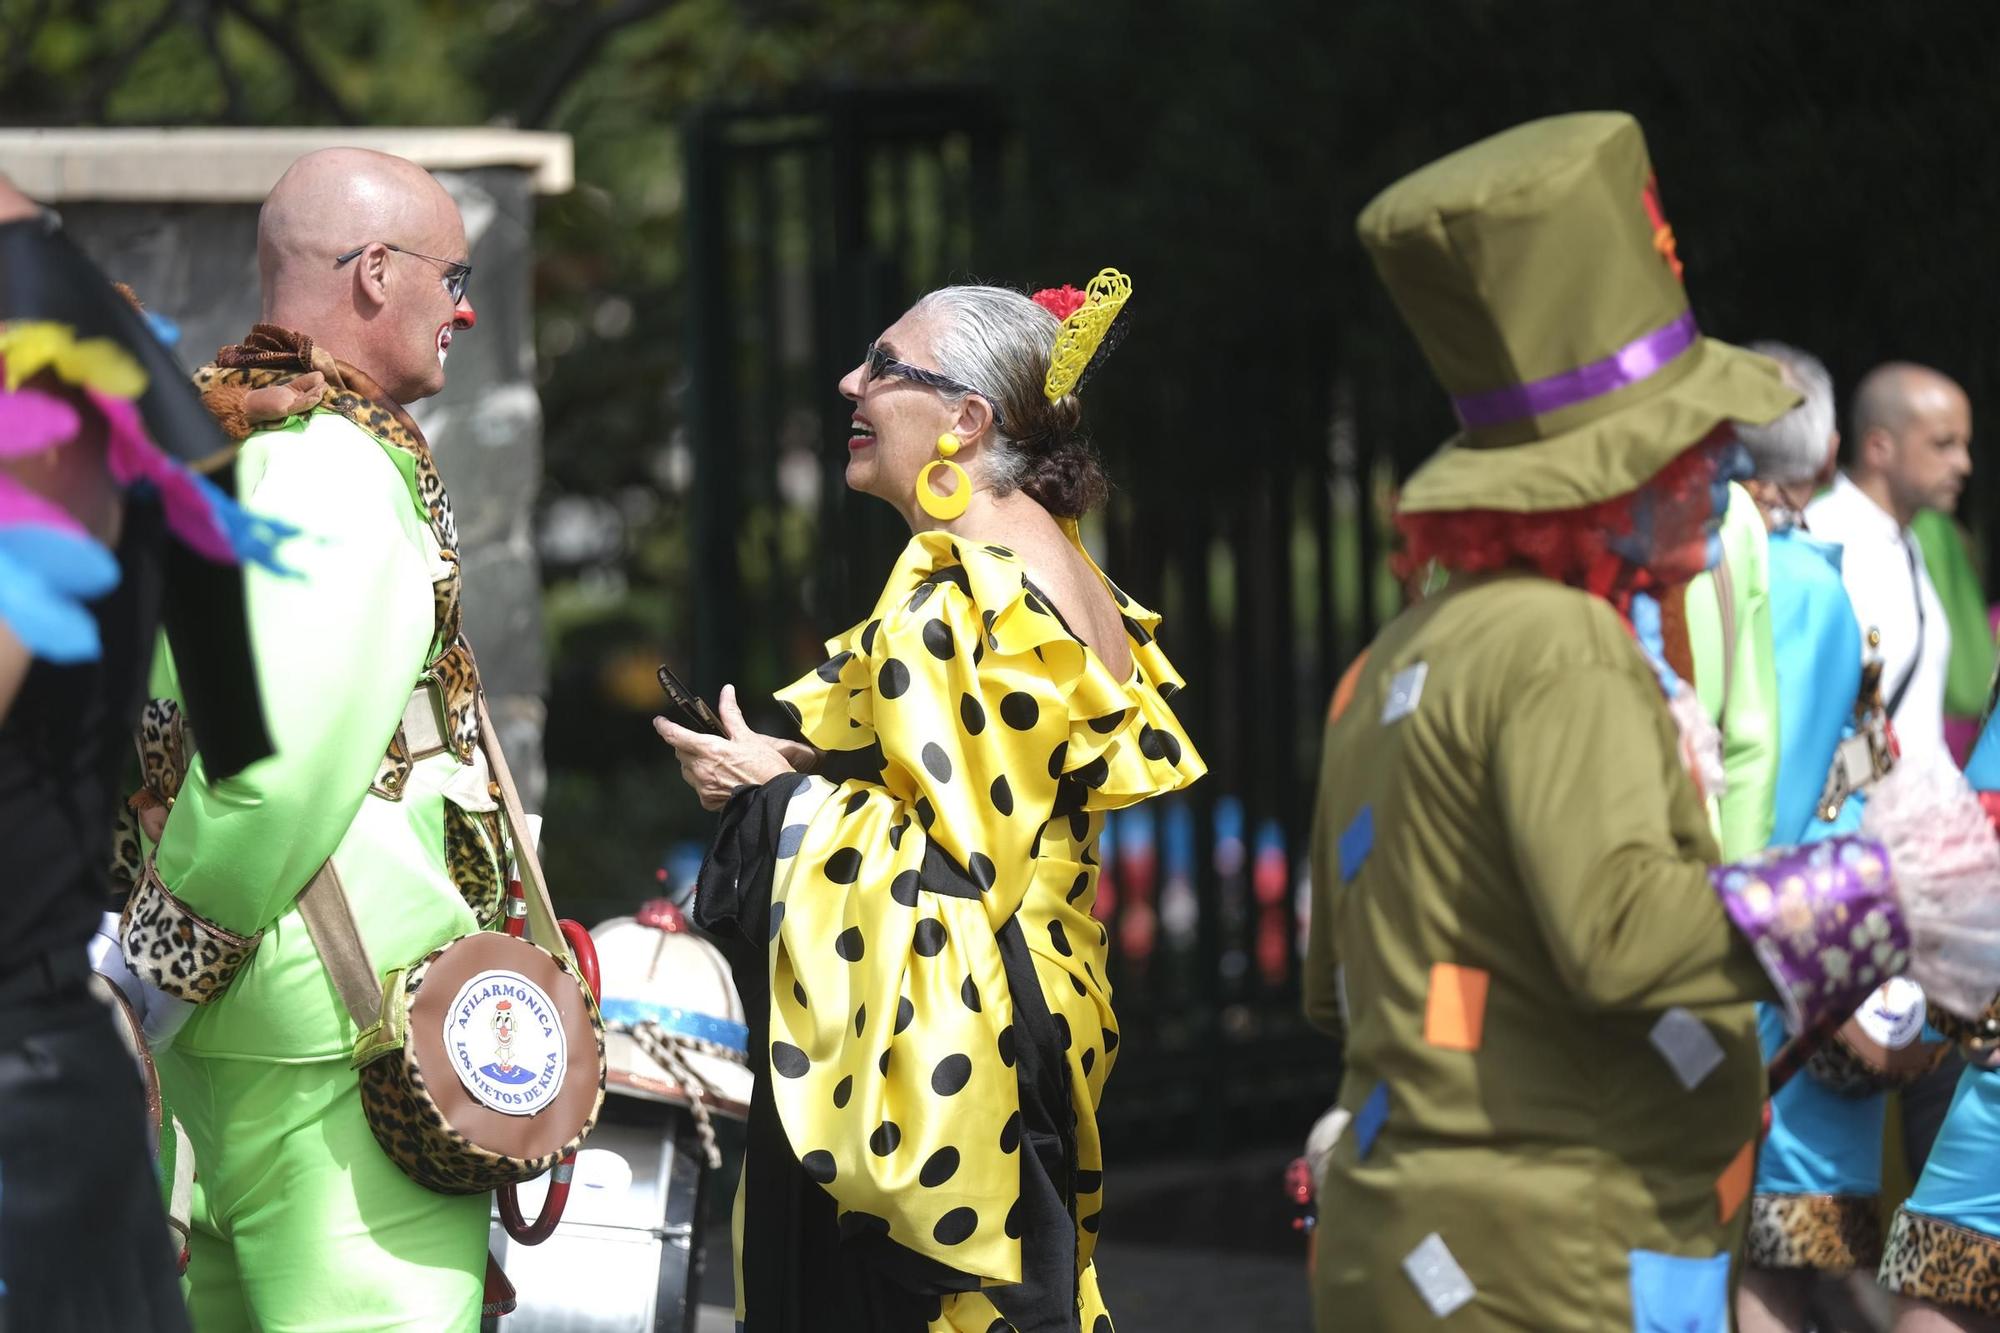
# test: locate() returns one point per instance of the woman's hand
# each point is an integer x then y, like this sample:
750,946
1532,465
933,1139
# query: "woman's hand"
716,766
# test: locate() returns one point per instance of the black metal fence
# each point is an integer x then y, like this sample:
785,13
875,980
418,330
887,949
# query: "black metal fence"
812,225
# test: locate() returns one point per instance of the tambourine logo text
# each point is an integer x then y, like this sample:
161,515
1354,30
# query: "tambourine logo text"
506,1042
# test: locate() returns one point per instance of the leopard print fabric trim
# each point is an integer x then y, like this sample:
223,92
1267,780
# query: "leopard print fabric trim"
394,771
1836,1066
1831,1232
456,677
177,949
472,858
1930,1259
166,749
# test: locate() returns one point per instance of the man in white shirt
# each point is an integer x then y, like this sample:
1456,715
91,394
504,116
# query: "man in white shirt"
1912,450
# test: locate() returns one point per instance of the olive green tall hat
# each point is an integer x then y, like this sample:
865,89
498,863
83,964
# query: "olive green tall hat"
1540,278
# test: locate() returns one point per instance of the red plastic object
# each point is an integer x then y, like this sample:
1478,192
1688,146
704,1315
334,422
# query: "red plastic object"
661,914
519,1229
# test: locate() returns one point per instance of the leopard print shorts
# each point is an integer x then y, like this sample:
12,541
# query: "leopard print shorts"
1933,1260
1831,1232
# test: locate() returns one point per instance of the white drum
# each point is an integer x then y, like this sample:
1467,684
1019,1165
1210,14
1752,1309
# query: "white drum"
674,1029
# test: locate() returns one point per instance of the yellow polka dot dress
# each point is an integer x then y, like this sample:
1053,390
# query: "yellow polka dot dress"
940,1027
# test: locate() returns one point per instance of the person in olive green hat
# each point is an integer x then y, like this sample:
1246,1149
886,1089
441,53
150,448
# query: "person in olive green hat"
1543,981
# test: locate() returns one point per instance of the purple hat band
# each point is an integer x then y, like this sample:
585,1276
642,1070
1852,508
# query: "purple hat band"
1640,359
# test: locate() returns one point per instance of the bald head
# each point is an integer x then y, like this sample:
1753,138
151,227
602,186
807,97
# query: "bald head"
386,309
1912,433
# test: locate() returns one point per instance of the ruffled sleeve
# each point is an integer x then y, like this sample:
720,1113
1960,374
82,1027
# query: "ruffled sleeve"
892,1024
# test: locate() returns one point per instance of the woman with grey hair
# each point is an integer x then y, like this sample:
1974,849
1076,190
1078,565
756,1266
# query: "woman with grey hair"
907,896
1820,1170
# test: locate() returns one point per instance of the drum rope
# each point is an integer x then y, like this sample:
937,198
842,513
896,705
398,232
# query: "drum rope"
668,1049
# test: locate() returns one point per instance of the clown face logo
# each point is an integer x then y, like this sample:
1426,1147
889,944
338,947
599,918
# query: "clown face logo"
506,1042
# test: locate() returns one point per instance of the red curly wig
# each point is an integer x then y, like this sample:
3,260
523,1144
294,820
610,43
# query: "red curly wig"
1577,546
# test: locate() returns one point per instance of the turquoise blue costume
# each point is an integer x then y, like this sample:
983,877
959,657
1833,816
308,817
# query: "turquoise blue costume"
1820,1168
1945,1244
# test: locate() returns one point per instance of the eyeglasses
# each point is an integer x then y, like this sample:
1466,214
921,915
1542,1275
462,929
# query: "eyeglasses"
456,275
881,364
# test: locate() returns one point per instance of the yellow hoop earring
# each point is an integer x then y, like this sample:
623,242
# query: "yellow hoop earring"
949,506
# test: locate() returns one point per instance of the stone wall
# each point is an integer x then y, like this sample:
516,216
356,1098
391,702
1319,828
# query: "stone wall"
195,262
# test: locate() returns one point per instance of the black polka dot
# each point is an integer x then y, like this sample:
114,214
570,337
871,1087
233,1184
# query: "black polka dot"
1082,882
1057,758
942,1166
789,1060
792,711
1089,1182
1010,1133
951,1074
885,1138
1168,689
1136,630
1062,1029
854,803
819,1165
860,1019
1090,1224
980,866
1076,983
1107,724
930,937
842,1091
1079,825
903,888
1012,1226
978,651
1020,711
1059,940
844,866
987,618
969,993
1002,795
777,918
799,994
1034,603
1095,773
1000,1326
849,946
883,1064
1007,1046
1000,551
971,715
936,762
1157,744
921,595
868,636
1089,1060
857,1225
829,670
896,835
1110,1040
894,681
926,812
955,1226
937,638
905,1011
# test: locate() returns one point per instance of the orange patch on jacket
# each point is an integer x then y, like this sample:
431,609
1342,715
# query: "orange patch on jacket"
1455,1015
1343,693
1732,1187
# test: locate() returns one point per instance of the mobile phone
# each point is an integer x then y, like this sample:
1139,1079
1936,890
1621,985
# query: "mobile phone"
693,710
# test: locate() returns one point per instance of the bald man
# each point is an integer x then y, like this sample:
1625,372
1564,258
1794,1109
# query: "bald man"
301,1220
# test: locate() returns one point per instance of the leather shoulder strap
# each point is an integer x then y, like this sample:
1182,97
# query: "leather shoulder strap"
329,919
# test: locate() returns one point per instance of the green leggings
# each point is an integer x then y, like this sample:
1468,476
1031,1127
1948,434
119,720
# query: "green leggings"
301,1224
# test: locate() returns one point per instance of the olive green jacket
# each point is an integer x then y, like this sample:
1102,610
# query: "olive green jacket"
1532,826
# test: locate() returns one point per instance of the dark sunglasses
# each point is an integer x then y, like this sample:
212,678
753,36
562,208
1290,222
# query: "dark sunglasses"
456,275
881,364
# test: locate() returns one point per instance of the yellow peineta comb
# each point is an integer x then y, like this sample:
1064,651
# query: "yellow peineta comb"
1082,333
